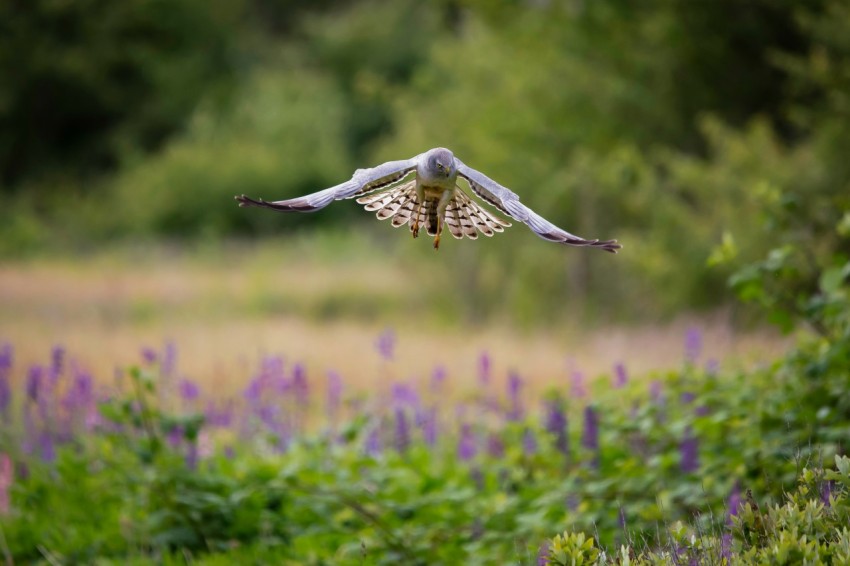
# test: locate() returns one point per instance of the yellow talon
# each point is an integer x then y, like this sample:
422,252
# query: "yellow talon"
415,229
437,242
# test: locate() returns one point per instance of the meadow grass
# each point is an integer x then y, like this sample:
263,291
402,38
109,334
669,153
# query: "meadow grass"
223,309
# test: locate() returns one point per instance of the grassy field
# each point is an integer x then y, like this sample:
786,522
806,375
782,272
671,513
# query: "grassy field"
225,308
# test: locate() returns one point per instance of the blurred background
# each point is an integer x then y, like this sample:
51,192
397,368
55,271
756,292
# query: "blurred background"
699,134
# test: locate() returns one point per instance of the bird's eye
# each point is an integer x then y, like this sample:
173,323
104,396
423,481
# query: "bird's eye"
440,166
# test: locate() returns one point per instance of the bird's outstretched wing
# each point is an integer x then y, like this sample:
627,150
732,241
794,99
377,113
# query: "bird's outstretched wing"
508,202
363,181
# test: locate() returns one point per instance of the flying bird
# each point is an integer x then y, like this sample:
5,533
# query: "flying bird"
432,199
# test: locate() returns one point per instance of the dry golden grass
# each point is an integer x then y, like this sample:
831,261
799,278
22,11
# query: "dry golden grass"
225,312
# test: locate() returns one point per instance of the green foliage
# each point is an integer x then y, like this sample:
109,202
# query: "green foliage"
85,80
808,527
283,137
573,549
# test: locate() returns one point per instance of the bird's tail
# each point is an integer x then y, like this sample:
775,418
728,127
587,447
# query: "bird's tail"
402,205
465,217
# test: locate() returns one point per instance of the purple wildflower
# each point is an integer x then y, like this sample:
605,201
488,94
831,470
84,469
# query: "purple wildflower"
7,477
5,386
733,503
590,434
429,427
712,366
656,392
826,493
556,425
693,344
48,449
148,355
404,395
189,390
515,412
334,395
543,554
466,448
385,344
438,378
57,361
174,436
495,446
373,442
529,442
687,397
5,359
169,360
689,452
726,547
219,416
485,367
578,390
620,376
192,455
402,431
34,383
299,385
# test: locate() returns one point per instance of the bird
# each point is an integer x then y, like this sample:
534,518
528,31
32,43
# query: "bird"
432,199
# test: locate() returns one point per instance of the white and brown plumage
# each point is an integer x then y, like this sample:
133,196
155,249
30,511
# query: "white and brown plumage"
432,199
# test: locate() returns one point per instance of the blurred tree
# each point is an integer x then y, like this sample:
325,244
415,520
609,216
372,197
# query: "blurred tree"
83,80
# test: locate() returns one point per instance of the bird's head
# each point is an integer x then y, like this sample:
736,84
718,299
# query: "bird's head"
441,162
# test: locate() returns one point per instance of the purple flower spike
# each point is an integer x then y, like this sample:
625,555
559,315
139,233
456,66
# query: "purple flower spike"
386,344
590,434
656,392
529,442
5,386
466,448
826,493
485,368
148,355
299,385
438,378
405,396
192,455
7,478
48,449
334,395
57,361
402,431
429,427
733,503
34,383
169,360
693,344
495,446
556,425
689,452
5,359
189,390
620,376
577,387
543,554
515,412
373,442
